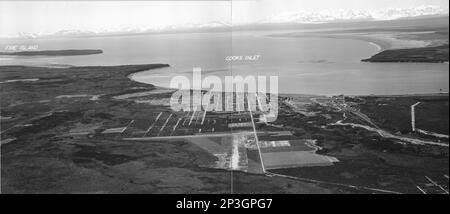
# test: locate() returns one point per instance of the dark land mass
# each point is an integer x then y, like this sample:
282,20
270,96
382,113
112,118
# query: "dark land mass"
366,158
53,141
394,112
438,54
54,52
45,149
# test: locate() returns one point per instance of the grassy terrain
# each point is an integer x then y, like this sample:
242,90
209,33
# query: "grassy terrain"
40,153
394,112
43,111
365,158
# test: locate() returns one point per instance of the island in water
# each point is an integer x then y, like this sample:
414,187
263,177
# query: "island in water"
54,52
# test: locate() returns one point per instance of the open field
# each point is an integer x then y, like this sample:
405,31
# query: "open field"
366,159
394,112
92,130
64,132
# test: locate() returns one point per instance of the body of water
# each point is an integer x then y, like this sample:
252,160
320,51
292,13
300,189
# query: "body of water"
324,66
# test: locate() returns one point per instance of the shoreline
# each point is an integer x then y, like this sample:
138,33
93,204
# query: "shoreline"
392,47
377,46
378,42
383,41
130,77
76,109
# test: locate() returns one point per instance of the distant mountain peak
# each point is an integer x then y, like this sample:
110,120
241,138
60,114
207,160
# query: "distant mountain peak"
299,17
128,30
355,15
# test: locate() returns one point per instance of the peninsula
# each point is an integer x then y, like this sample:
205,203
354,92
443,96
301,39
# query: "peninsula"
438,54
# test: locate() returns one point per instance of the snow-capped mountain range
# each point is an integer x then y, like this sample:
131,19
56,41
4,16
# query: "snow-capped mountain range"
354,15
300,17
124,31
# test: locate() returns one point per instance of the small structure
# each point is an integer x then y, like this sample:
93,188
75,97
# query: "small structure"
413,117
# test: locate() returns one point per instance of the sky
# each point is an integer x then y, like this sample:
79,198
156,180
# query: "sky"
51,16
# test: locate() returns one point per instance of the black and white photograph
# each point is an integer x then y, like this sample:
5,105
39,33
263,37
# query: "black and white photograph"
224,97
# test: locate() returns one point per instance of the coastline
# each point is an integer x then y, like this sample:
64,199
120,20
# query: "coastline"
383,41
129,71
130,76
378,42
436,54
76,107
391,47
377,46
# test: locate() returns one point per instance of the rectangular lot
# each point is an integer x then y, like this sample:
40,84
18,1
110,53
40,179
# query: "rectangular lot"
291,159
